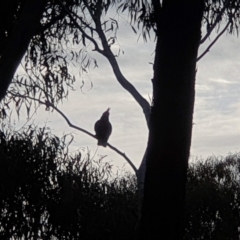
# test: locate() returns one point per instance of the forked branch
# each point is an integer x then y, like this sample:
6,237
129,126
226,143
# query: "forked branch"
214,41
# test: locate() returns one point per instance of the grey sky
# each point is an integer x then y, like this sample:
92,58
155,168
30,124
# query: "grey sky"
216,128
217,108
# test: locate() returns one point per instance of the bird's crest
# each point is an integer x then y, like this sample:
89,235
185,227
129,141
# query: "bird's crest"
106,113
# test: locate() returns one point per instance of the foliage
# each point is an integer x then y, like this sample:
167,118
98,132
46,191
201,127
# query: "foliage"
46,193
213,199
216,12
67,32
70,28
67,24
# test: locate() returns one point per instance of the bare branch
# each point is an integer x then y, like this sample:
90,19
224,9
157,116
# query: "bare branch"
214,41
124,156
48,104
115,67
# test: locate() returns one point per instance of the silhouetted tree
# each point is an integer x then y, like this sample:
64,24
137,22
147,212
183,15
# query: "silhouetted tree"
20,21
178,35
212,199
177,25
46,193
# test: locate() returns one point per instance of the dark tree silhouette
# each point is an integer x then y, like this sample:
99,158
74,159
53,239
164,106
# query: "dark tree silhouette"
20,21
177,25
170,125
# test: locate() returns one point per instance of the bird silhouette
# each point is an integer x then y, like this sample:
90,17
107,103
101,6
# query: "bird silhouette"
103,129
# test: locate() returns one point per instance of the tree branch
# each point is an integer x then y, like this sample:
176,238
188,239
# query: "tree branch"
144,104
48,104
124,156
106,52
83,22
214,41
81,30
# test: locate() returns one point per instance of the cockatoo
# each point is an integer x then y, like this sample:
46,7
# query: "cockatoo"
103,129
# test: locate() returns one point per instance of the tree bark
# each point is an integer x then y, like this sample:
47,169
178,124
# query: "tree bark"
170,126
17,43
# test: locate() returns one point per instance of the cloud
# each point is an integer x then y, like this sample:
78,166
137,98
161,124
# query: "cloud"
223,81
217,111
217,106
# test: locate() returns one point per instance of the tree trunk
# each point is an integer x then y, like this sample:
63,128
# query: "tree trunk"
170,126
18,41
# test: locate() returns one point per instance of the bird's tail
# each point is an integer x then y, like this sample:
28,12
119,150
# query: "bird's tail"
102,143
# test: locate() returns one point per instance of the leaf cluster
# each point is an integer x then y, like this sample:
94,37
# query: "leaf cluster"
60,47
147,13
48,193
213,199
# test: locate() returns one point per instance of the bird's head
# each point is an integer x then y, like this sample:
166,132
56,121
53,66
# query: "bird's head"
105,115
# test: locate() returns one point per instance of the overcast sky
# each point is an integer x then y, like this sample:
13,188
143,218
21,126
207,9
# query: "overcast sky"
216,129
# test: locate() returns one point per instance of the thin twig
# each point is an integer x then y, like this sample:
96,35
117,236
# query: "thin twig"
213,42
124,156
28,120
